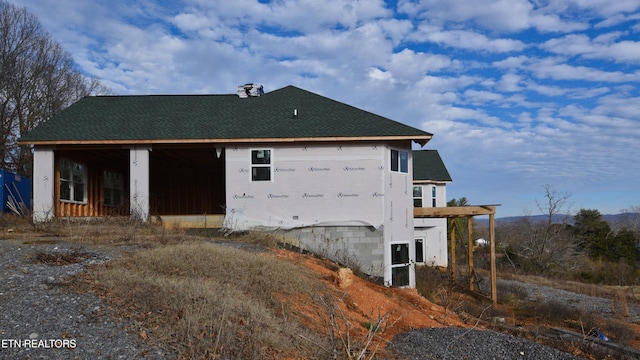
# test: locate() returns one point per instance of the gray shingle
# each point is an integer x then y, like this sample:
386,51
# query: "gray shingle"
164,117
428,165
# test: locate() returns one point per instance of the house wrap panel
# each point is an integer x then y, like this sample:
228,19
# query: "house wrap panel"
398,218
311,185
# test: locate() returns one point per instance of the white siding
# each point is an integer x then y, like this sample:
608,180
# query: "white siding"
433,230
327,185
139,182
398,218
43,184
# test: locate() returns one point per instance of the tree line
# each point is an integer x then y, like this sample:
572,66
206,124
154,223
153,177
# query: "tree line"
38,79
582,247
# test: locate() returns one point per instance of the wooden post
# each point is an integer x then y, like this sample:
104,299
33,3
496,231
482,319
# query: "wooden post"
453,248
470,252
492,238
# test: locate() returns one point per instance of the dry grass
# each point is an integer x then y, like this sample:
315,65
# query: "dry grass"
206,300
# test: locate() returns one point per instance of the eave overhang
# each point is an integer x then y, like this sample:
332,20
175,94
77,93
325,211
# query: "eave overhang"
421,140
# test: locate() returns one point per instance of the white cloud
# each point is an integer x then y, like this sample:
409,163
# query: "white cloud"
496,15
466,39
510,82
552,69
602,47
517,93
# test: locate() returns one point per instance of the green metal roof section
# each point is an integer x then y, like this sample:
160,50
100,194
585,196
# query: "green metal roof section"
428,165
193,117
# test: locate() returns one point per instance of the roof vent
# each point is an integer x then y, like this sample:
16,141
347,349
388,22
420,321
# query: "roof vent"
247,90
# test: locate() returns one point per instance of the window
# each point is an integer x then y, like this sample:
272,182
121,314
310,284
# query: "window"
113,188
419,250
433,196
417,196
73,181
260,165
399,161
400,264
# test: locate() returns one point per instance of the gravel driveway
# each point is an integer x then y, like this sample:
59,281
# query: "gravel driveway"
586,303
40,319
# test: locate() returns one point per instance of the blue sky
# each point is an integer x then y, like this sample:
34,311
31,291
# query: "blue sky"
518,94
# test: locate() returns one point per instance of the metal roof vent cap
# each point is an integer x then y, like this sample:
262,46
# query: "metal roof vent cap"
250,90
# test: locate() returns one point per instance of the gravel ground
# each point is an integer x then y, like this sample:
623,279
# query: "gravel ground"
457,343
591,304
40,319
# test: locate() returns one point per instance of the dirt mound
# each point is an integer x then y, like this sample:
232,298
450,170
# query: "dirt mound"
362,304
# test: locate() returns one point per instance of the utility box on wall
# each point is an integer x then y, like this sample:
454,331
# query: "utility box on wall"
16,193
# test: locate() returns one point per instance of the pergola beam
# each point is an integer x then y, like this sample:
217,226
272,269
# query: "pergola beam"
452,212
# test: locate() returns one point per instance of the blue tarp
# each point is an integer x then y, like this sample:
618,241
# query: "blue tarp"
15,190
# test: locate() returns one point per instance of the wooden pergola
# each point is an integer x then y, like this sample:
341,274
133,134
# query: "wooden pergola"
453,212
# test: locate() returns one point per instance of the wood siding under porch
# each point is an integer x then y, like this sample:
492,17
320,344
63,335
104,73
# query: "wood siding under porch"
94,205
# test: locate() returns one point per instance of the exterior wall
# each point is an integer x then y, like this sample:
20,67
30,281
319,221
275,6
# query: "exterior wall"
311,185
43,184
433,231
335,199
434,234
351,246
398,216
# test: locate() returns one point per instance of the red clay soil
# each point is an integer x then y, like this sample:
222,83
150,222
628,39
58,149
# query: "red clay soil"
365,302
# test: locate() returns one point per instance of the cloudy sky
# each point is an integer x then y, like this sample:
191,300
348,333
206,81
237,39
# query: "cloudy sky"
518,94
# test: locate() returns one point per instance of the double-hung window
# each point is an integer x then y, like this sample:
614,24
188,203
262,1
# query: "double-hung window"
73,181
261,165
113,188
399,161
417,196
433,197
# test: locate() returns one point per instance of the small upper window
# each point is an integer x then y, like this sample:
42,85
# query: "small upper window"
73,181
400,161
433,196
417,196
260,165
113,188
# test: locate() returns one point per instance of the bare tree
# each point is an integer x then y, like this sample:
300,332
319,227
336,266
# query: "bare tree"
38,79
544,246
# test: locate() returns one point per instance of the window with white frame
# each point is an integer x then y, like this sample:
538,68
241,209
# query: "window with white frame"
113,188
261,165
417,196
399,161
433,196
400,264
73,181
420,250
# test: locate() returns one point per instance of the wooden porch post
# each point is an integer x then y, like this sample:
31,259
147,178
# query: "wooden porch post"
492,238
470,252
453,247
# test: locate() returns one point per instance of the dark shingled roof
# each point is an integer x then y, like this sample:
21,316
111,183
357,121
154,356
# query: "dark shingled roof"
428,165
195,117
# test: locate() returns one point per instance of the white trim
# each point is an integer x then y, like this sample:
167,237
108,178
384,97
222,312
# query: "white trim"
252,165
85,179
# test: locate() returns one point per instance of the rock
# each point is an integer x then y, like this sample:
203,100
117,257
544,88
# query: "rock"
344,278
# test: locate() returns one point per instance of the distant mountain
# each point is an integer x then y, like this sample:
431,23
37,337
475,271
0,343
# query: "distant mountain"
612,219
